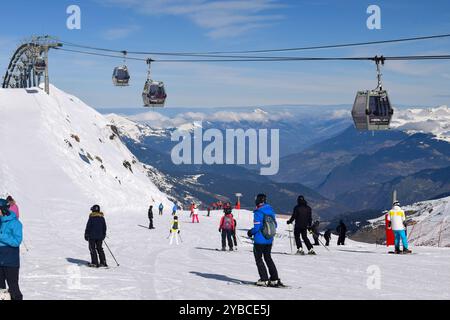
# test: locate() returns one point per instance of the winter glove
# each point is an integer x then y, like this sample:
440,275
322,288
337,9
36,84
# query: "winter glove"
179,231
249,233
289,222
86,237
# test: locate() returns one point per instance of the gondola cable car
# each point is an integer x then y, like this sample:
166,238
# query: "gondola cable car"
121,75
154,93
39,65
372,109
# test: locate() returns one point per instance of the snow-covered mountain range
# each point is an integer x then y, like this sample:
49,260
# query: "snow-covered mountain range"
435,121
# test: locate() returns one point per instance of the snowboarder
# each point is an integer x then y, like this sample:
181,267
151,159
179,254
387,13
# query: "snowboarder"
175,231
95,234
262,247
161,208
226,227
327,237
10,240
13,206
397,223
341,229
150,217
174,210
302,216
195,214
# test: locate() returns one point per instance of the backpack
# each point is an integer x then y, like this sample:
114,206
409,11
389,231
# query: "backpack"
269,227
175,225
227,223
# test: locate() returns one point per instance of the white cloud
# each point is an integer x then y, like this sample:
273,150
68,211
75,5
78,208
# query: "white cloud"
120,32
157,120
222,18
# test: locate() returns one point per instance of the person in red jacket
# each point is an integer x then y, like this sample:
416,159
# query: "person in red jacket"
227,227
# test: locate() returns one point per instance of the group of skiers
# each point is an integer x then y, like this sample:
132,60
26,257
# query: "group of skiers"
262,233
11,236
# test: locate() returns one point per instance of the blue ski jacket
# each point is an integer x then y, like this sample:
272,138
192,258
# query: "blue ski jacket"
10,240
258,218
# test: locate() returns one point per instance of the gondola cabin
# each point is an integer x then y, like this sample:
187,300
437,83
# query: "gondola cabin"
121,76
154,94
372,110
40,66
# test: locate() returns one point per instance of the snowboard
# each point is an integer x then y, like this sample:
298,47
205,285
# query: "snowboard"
253,284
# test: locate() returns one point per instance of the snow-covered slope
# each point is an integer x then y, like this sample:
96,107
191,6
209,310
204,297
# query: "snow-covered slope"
57,152
432,120
428,223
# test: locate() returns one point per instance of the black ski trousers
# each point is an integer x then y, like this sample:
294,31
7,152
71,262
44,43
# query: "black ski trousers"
341,240
96,246
151,223
263,252
10,276
304,234
227,235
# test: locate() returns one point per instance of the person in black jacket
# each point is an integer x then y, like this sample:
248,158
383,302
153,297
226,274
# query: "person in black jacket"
303,219
342,232
95,234
150,217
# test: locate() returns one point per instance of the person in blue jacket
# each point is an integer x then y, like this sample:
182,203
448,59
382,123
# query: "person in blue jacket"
10,240
262,247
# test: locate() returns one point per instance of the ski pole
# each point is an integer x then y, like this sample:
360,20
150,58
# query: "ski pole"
320,242
290,237
112,254
25,245
180,238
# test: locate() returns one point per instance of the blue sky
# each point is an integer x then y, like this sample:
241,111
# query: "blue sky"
208,25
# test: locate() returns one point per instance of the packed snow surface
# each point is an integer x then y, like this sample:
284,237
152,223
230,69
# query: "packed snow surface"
150,268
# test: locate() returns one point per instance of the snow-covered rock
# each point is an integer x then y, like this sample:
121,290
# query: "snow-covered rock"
428,223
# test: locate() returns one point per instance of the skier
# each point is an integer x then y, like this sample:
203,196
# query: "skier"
327,237
226,227
192,209
315,232
174,210
209,211
262,247
150,217
342,232
175,231
161,208
13,206
397,222
10,240
95,234
302,216
195,214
